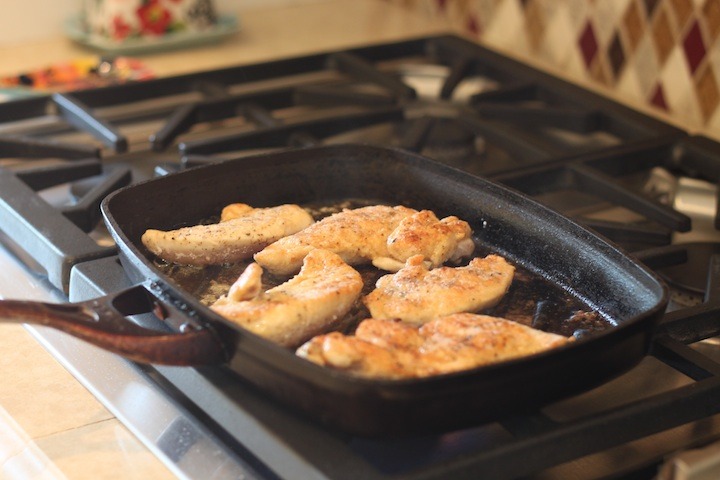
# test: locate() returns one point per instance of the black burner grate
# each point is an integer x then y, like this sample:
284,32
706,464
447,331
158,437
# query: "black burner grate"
53,235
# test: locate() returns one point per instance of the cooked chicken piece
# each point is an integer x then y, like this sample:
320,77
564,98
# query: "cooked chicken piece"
417,294
463,340
385,236
228,241
358,357
235,210
306,305
390,349
423,234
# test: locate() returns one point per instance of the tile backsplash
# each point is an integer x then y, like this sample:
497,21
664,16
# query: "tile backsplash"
664,54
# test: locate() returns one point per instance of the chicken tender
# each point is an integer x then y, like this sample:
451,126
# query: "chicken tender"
242,231
383,235
306,305
417,294
390,349
341,352
235,210
423,234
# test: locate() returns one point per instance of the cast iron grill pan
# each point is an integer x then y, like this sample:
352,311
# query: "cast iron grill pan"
526,233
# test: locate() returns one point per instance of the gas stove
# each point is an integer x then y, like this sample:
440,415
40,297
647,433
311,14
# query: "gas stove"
647,186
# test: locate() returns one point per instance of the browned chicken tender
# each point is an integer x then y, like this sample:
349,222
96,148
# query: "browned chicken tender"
356,356
418,294
391,349
243,230
435,240
308,304
382,235
235,210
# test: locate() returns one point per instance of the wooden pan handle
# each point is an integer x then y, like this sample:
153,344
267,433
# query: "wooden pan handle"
103,323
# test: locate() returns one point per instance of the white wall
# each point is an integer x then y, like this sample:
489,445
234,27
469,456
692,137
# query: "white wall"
23,21
27,20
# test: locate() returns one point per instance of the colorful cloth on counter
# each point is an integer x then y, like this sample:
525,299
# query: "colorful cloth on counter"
75,75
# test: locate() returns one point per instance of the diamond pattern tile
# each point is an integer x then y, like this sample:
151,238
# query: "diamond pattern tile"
616,56
650,6
682,9
556,50
579,13
694,47
628,84
713,124
658,97
605,20
680,89
645,66
473,24
711,15
600,72
634,25
535,24
507,28
662,36
588,44
707,91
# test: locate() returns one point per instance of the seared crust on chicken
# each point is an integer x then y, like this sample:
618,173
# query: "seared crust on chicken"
423,234
417,294
390,350
308,304
243,230
383,235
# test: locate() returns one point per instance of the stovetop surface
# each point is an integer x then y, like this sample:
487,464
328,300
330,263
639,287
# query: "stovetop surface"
604,165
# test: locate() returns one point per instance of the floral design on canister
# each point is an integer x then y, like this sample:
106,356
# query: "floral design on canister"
125,19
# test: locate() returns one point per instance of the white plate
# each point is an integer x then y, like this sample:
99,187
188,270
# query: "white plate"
225,26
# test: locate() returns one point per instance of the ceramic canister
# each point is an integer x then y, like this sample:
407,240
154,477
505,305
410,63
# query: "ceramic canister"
123,19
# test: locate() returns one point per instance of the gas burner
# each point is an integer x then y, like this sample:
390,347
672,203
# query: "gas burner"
450,141
429,82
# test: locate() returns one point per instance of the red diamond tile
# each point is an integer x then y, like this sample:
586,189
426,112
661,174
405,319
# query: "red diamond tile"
694,47
588,44
658,98
472,24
